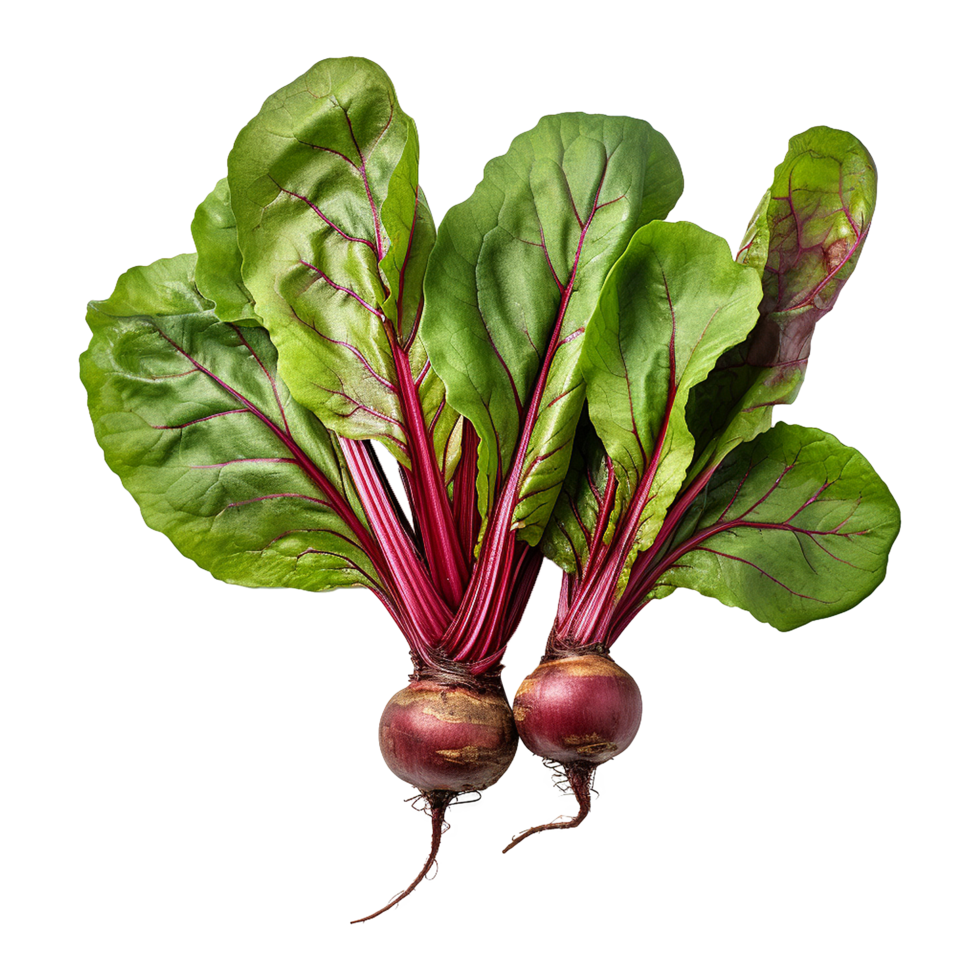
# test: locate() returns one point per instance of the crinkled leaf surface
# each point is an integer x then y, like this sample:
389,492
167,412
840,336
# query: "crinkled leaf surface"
194,419
671,306
794,527
805,237
512,282
335,234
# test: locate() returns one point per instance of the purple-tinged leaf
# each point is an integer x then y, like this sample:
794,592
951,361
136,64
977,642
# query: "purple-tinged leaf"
805,239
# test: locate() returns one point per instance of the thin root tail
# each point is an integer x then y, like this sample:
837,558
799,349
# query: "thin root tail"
579,778
437,802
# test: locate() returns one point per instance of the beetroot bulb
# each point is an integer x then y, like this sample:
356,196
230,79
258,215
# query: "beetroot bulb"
449,732
578,708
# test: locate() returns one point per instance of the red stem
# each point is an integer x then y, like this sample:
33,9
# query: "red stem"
429,500
466,513
424,607
591,611
599,548
616,613
641,579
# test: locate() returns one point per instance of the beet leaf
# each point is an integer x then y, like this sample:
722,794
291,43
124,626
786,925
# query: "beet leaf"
670,307
513,280
793,527
335,234
805,238
192,416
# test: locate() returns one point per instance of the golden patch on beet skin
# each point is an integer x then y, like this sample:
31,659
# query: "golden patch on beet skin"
466,755
589,745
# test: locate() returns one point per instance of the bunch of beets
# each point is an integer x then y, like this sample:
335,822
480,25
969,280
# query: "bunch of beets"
557,372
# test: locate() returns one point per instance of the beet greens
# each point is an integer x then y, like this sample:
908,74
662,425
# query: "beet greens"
678,479
666,410
240,394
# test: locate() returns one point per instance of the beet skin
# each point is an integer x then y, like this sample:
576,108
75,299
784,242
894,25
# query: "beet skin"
439,734
578,709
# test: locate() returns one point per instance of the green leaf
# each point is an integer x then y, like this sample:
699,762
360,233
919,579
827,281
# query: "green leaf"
194,419
794,527
670,307
805,238
218,272
335,234
514,278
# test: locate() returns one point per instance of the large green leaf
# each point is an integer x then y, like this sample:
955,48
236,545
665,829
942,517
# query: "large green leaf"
514,278
194,419
335,234
670,307
794,527
805,238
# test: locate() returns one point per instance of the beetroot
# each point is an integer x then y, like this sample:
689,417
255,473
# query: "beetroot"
578,708
448,732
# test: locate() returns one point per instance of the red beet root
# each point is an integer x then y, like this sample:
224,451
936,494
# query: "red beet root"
580,710
441,733
446,734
